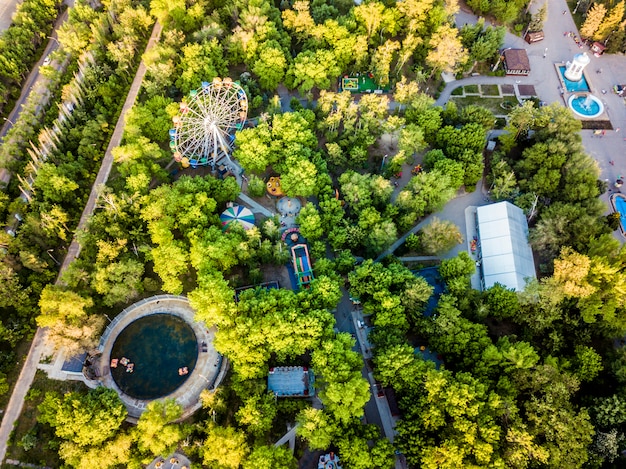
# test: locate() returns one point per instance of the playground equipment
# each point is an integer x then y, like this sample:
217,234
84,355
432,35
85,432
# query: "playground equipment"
302,265
204,129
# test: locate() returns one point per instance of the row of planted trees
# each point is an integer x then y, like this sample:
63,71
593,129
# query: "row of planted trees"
32,23
62,180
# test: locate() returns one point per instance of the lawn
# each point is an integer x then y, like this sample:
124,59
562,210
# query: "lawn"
493,104
28,430
471,89
490,90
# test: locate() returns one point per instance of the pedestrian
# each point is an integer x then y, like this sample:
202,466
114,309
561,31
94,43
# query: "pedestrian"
603,132
612,163
617,130
564,11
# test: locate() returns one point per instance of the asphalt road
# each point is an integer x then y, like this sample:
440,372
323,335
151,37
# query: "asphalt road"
34,77
7,8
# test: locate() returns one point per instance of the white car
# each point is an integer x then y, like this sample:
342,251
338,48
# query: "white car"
46,61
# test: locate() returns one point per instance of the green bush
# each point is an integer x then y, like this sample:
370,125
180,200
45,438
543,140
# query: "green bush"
256,186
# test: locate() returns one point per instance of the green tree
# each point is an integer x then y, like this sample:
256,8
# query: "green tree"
119,282
412,139
317,427
225,447
344,392
440,236
312,69
257,413
270,66
200,62
70,327
310,222
156,432
262,457
84,419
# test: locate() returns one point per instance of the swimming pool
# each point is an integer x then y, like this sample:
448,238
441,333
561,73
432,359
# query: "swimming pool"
619,206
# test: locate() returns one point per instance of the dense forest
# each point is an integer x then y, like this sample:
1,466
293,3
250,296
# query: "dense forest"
527,380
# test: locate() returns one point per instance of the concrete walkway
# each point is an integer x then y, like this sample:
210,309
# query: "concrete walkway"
14,407
107,162
290,437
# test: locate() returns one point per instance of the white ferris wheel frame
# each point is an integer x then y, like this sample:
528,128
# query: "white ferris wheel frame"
207,122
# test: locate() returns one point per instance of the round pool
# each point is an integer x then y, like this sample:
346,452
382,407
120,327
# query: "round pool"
153,356
586,105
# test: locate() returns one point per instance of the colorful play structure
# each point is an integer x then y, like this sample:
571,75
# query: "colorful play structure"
363,82
302,265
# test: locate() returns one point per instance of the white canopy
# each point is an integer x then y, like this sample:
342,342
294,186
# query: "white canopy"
506,256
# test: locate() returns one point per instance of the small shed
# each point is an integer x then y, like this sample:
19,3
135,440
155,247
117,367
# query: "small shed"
290,381
516,62
598,48
534,36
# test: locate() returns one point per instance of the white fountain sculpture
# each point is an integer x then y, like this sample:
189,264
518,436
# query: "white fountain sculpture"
574,69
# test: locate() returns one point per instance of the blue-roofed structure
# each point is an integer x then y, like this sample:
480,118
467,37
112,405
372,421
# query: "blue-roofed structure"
74,364
291,381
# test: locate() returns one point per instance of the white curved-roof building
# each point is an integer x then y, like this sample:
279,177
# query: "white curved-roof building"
505,255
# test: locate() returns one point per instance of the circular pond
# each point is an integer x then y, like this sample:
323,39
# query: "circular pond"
153,356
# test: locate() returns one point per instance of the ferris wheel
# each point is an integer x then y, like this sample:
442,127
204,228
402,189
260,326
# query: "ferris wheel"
204,129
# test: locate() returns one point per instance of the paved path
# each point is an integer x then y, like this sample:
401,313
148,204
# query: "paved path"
7,8
27,374
290,437
107,162
561,48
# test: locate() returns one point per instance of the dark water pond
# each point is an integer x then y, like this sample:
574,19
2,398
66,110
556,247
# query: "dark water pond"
157,346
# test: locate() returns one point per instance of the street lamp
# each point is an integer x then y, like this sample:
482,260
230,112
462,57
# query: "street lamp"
577,5
9,121
54,39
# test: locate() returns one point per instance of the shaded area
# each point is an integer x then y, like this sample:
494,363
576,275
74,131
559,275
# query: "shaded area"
157,346
431,275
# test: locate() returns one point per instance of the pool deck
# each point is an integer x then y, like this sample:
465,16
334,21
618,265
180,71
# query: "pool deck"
209,370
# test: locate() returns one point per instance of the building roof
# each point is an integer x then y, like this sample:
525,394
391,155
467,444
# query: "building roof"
290,381
506,256
516,59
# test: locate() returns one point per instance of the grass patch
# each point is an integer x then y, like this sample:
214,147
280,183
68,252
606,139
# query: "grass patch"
471,89
458,91
490,90
27,429
493,104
